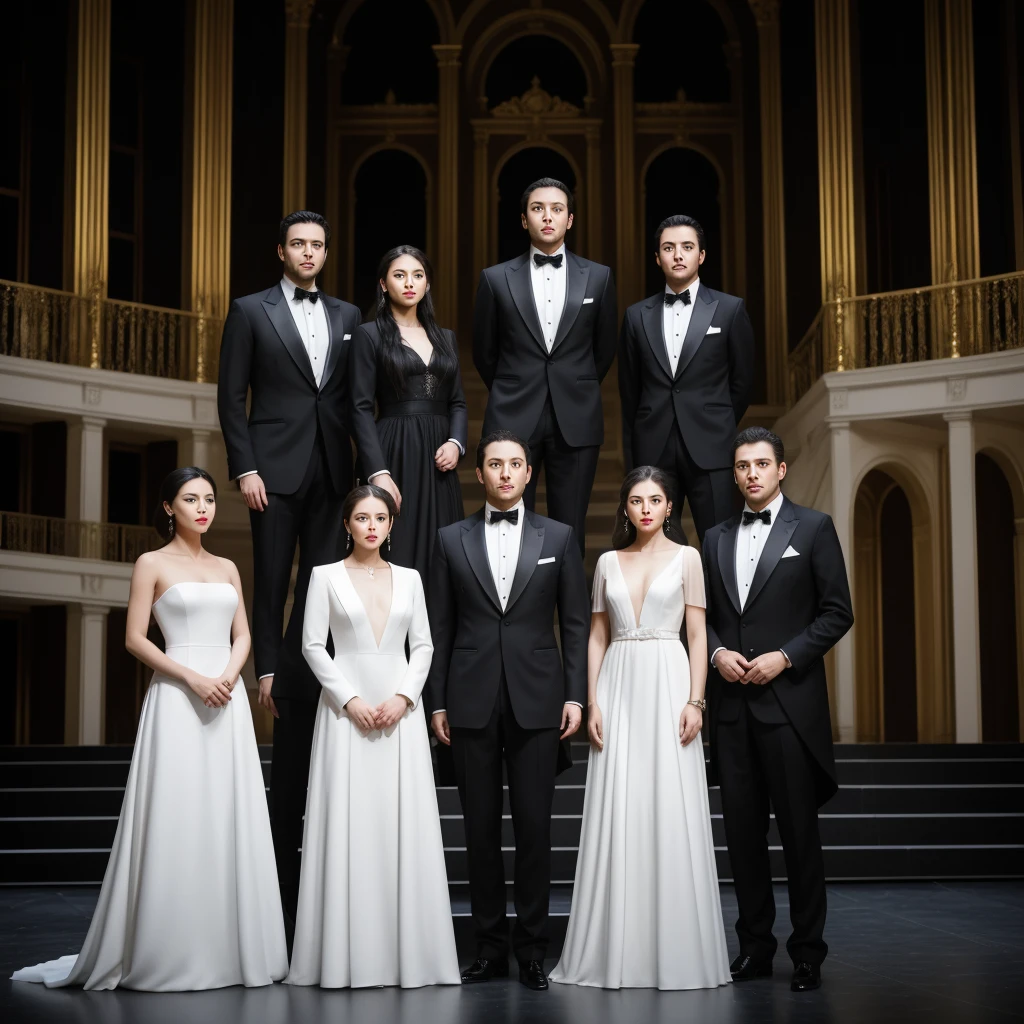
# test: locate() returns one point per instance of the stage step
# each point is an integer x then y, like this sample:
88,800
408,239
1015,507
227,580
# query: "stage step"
902,811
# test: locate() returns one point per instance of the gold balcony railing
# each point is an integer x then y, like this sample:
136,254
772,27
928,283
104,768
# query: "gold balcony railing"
107,334
960,318
46,535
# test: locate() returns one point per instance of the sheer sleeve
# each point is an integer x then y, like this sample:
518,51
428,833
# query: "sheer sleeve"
693,579
598,604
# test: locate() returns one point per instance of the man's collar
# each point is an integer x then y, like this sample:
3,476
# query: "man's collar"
489,508
288,286
692,287
534,249
773,506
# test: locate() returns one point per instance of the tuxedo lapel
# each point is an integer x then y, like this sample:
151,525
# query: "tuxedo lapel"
576,277
774,546
700,321
474,543
281,317
335,335
727,561
529,552
517,273
654,328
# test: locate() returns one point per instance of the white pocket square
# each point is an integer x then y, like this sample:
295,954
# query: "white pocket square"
544,561
347,336
585,301
790,552
714,330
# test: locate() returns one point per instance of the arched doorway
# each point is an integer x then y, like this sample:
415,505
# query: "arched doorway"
519,171
683,181
391,199
997,604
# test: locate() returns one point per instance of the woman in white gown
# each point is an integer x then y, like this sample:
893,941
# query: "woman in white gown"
190,898
373,892
646,911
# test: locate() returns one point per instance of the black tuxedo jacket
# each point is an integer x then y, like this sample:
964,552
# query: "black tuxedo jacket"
707,395
799,604
262,352
511,357
474,640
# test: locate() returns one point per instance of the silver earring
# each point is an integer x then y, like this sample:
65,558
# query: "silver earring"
348,540
170,525
389,543
666,524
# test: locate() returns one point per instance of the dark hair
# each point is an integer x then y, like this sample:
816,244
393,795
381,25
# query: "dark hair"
360,493
304,217
680,220
500,435
624,532
570,201
398,359
755,435
169,489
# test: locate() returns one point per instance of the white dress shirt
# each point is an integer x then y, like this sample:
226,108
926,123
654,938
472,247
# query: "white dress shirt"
675,320
503,543
548,293
311,322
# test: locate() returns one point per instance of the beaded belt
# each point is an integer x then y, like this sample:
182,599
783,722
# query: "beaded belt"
645,633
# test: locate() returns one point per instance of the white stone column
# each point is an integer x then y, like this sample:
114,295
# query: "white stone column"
196,450
842,517
85,687
964,578
84,500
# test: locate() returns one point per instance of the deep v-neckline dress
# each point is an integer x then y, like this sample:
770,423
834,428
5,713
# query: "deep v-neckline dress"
646,911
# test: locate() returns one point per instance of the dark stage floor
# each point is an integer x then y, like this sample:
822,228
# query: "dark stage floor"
901,952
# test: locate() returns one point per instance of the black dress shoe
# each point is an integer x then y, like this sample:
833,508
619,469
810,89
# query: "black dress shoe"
746,968
806,977
482,969
531,974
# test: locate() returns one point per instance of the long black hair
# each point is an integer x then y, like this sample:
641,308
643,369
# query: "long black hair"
624,532
172,483
398,360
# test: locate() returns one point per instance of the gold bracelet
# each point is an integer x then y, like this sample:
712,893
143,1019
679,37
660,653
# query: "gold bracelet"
701,705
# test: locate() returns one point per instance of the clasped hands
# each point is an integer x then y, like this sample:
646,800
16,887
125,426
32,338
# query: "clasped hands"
734,668
383,716
213,691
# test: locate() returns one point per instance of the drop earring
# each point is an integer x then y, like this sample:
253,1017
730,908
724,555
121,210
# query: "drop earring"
665,524
170,525
389,543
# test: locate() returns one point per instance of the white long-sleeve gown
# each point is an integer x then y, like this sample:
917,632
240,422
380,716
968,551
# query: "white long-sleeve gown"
646,911
190,898
373,894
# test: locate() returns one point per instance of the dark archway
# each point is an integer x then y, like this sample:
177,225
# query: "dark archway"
389,50
519,171
390,209
899,646
549,59
997,606
666,62
683,181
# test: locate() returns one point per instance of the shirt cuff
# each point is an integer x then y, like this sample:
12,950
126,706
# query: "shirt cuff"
380,472
250,472
439,711
266,675
714,654
789,664
458,444
576,702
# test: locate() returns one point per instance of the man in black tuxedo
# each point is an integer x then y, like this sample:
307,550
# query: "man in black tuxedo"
686,367
543,340
292,457
777,601
497,686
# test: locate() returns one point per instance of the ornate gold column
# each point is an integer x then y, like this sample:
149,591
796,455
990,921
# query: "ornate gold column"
840,266
208,160
446,257
296,75
952,160
89,130
766,13
626,204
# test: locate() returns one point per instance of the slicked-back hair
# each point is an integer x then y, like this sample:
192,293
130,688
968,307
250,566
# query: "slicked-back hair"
304,217
755,435
496,436
570,202
680,220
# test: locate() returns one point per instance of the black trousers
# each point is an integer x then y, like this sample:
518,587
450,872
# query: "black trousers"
568,475
712,494
760,763
530,757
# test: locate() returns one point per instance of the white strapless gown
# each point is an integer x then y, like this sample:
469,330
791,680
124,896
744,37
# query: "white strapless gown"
646,911
190,898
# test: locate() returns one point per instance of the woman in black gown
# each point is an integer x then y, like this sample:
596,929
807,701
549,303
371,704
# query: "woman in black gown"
407,367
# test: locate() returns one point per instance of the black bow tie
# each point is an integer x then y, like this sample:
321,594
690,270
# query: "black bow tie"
301,293
512,515
752,517
540,259
671,298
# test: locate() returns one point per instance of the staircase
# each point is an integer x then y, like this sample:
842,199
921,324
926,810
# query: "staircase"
903,811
